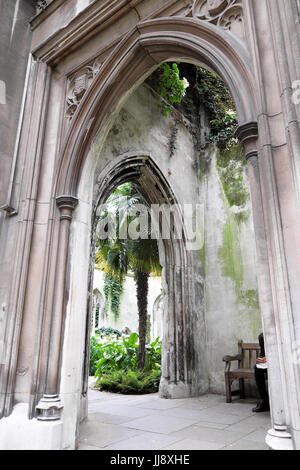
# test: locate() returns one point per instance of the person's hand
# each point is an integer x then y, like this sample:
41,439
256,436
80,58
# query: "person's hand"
261,360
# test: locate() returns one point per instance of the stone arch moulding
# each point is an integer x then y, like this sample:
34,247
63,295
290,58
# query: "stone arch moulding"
178,360
179,367
138,54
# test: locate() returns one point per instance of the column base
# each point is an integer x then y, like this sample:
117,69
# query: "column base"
17,432
279,440
49,408
172,391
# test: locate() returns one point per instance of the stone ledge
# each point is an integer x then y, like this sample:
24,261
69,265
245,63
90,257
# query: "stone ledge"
17,432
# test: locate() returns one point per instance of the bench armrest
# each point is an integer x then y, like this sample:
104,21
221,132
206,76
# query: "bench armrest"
229,360
232,358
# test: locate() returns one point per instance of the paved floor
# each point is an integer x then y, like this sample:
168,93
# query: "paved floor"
127,422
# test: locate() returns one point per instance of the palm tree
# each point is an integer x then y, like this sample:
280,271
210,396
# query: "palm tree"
116,257
145,260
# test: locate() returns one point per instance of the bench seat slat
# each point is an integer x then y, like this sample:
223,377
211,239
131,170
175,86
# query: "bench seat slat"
242,374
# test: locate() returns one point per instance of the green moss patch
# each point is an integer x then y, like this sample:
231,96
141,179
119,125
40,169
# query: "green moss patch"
231,166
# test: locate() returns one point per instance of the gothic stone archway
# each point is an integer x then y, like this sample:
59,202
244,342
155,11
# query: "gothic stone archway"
96,87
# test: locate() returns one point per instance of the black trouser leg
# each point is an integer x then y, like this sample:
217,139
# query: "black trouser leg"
260,378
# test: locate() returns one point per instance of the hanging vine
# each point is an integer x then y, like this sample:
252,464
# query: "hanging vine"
113,290
199,88
167,83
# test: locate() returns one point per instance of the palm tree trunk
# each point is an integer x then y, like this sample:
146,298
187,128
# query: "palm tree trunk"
142,301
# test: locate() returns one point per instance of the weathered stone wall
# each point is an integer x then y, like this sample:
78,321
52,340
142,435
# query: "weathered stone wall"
15,37
257,53
231,297
14,52
227,260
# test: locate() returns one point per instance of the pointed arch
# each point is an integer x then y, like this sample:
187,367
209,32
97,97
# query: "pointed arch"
134,58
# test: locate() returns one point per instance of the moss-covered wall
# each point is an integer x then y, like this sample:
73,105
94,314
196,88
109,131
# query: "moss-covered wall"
231,296
229,310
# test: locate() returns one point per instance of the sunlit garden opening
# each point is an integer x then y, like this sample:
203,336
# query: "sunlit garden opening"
125,355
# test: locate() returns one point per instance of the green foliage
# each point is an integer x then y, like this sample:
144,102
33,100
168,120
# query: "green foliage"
113,290
130,382
166,81
94,354
122,354
209,91
153,355
118,355
108,331
118,256
114,362
223,129
205,89
116,366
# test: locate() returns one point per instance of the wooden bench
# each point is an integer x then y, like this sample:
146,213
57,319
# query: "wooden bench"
248,353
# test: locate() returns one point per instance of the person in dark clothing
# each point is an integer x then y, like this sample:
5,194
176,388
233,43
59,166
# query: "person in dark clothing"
261,372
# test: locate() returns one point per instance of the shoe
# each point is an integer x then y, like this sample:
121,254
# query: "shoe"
261,407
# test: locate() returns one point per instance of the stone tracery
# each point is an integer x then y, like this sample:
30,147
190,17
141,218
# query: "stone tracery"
273,166
227,14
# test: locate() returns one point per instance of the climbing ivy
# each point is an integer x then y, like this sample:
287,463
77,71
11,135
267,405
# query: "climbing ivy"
113,290
205,90
208,90
167,83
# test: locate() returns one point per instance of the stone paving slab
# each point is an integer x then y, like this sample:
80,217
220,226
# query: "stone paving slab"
148,422
159,423
217,417
216,436
98,434
161,404
249,425
144,441
190,444
122,410
181,412
245,444
108,418
82,446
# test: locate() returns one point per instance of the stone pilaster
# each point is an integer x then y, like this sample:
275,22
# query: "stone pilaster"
248,136
50,406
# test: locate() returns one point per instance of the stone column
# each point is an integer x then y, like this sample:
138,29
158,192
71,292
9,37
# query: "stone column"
248,136
50,406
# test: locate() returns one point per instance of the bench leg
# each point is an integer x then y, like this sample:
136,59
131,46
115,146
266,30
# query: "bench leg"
228,389
242,388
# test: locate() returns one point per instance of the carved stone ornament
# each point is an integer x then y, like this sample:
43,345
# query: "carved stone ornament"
227,14
78,85
41,5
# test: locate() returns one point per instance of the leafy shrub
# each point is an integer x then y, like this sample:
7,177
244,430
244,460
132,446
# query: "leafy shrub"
118,355
167,83
108,331
95,354
153,355
114,364
130,381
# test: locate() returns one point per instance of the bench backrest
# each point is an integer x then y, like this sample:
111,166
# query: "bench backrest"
249,353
